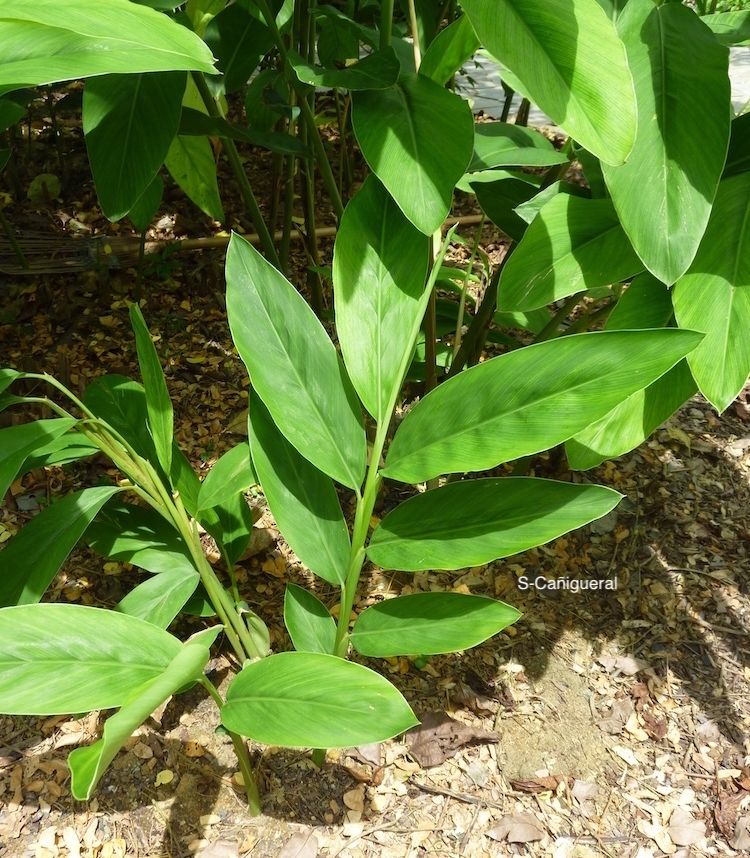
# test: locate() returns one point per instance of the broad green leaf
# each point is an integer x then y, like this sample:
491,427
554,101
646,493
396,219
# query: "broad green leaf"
313,700
129,122
730,28
194,123
534,321
378,70
302,499
738,155
293,366
565,56
714,296
379,268
18,442
338,37
417,138
161,598
266,100
7,377
530,209
234,525
121,402
239,41
449,50
30,561
645,304
573,244
44,41
191,164
158,403
10,113
70,447
500,144
63,659
309,623
142,212
429,624
473,522
88,764
232,474
528,400
499,193
663,194
139,535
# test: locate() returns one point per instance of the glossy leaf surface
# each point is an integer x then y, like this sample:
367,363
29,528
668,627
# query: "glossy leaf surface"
663,194
42,674
379,269
429,624
449,50
566,57
293,366
473,522
312,700
417,139
528,400
309,623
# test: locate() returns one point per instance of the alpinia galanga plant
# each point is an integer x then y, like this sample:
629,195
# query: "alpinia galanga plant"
659,235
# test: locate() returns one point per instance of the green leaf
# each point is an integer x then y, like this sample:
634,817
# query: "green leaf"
730,28
158,403
301,498
293,366
449,50
70,447
530,209
500,144
663,194
161,598
142,212
378,70
476,521
309,623
129,121
738,155
565,56
714,296
191,164
379,270
572,245
528,400
417,139
18,442
121,402
62,659
232,474
48,42
313,700
139,535
10,113
239,41
499,193
30,561
87,765
234,525
429,624
193,123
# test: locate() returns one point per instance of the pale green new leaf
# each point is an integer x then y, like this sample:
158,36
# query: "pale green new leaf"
313,700
566,57
302,499
429,624
473,522
43,41
663,194
42,674
714,296
191,164
417,138
161,598
573,244
528,400
309,623
379,269
501,144
30,561
158,403
232,474
129,122
87,765
18,442
293,366
449,50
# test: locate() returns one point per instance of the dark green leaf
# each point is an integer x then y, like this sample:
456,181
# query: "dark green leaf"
191,164
738,156
449,50
239,41
121,402
232,474
429,624
312,700
159,599
10,113
473,522
18,442
197,124
309,623
500,193
375,71
234,525
144,209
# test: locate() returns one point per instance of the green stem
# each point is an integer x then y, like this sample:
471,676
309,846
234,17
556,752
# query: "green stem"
462,302
386,23
550,329
240,175
243,758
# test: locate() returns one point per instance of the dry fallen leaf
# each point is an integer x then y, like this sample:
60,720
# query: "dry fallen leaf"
584,790
439,737
546,784
741,839
517,828
684,829
618,716
219,849
302,845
